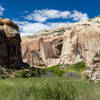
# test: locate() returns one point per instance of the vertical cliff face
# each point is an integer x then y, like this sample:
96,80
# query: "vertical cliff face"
42,51
66,45
82,42
10,48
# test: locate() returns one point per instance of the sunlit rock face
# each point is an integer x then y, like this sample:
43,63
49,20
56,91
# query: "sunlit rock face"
81,42
10,48
42,51
65,45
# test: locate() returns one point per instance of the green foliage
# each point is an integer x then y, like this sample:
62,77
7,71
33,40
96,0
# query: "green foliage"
59,72
36,72
22,74
80,66
46,88
52,68
56,70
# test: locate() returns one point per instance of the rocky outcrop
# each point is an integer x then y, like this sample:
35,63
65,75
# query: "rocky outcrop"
10,48
66,45
93,71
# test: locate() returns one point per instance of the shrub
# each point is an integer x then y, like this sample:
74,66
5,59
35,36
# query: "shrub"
22,74
59,72
56,70
52,68
80,66
36,72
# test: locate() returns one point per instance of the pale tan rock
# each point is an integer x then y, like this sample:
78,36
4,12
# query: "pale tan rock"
66,45
10,31
81,43
42,51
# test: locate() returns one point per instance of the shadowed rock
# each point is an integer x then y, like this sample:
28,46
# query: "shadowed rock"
10,48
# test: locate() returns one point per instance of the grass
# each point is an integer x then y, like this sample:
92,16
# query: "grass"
48,88
44,86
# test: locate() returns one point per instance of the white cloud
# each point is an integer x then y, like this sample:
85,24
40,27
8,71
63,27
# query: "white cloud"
27,28
45,14
31,28
1,10
79,16
41,16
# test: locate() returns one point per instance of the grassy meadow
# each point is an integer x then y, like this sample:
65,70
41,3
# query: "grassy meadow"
48,88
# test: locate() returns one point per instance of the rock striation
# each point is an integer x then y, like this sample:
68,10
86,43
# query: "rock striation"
10,48
81,42
65,45
42,51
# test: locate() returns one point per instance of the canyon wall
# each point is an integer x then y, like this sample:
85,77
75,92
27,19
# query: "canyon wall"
63,45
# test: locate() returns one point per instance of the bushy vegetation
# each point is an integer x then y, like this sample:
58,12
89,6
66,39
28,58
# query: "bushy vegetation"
22,74
79,67
55,70
67,70
36,72
47,88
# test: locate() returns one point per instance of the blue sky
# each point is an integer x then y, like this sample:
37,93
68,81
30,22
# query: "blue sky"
35,15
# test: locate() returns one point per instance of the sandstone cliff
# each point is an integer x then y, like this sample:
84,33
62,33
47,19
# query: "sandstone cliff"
42,51
10,48
66,45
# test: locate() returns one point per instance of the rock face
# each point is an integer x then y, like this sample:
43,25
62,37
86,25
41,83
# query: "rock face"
10,48
66,45
82,42
42,52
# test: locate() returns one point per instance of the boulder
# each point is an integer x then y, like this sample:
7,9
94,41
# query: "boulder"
10,48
